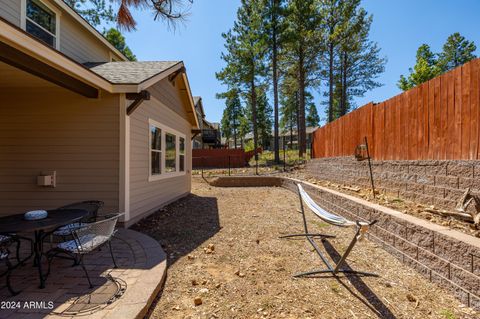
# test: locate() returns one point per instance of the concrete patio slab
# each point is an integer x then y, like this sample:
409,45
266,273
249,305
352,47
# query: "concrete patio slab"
124,292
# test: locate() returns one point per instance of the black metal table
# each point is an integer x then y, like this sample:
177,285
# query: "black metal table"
41,228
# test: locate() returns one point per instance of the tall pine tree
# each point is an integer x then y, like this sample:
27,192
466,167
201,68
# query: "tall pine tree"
246,47
456,51
302,46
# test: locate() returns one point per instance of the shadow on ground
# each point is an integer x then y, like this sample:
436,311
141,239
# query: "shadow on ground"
182,226
370,299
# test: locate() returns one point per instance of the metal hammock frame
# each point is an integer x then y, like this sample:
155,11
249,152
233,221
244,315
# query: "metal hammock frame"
332,219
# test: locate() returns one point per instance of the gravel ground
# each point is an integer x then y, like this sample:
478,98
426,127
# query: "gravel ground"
224,252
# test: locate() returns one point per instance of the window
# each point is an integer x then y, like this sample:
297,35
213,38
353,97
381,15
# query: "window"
41,22
181,154
167,152
155,151
170,153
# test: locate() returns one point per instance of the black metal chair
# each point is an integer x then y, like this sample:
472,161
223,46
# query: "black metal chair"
91,206
85,240
5,243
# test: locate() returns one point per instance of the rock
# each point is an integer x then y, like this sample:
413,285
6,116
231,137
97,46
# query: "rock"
257,241
388,284
191,257
211,247
218,286
203,291
208,251
194,282
176,308
239,273
197,301
411,297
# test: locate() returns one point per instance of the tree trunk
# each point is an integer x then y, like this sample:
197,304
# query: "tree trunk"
253,96
344,85
235,133
330,83
302,134
275,80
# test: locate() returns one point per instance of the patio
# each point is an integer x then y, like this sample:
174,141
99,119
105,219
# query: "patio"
125,292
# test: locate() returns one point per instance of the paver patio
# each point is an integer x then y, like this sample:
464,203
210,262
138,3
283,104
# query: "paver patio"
136,281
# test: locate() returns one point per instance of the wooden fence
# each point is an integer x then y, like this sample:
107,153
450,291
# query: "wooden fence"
436,120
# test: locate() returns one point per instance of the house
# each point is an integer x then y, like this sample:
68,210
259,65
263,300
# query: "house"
78,121
208,135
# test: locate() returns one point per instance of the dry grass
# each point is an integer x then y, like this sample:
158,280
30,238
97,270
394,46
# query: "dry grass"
249,272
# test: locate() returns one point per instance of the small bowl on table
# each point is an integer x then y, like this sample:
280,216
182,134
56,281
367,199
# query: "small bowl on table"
35,215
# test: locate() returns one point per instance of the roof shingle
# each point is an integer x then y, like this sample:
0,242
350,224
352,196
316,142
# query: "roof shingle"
125,72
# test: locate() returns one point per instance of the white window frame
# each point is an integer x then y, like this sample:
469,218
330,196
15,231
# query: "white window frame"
23,20
163,174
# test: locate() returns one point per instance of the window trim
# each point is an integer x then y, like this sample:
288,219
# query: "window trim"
23,20
165,129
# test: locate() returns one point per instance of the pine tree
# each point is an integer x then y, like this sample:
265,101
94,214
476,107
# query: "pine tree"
232,115
118,41
274,28
456,51
313,119
360,63
426,68
246,49
302,46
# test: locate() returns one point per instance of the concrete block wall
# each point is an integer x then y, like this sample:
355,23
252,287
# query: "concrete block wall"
439,183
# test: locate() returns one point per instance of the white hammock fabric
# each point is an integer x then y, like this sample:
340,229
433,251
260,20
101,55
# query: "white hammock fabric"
322,213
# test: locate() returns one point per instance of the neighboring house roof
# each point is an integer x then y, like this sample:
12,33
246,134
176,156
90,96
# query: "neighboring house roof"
131,72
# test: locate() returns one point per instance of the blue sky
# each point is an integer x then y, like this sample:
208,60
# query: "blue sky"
399,27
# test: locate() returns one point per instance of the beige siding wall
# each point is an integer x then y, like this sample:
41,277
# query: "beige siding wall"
10,11
54,129
79,44
75,41
145,196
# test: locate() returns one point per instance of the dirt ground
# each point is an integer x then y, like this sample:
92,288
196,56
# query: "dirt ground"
224,252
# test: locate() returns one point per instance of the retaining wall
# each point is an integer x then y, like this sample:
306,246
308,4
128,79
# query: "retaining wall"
439,183
445,256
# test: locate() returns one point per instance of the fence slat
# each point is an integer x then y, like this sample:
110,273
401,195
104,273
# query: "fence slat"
439,119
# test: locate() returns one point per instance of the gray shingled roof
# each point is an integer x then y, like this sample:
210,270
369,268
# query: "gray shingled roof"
125,72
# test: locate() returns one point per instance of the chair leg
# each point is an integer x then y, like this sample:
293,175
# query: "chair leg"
111,254
9,286
85,270
17,252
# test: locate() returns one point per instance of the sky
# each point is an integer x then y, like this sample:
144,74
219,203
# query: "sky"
399,27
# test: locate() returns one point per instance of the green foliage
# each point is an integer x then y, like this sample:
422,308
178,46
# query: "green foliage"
233,115
248,146
246,47
118,41
456,51
425,68
352,62
95,12
313,119
448,314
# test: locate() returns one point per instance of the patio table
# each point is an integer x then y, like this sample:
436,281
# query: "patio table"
41,228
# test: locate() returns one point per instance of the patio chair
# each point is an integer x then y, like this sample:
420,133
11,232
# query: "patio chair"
5,243
85,240
14,238
91,206
332,219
